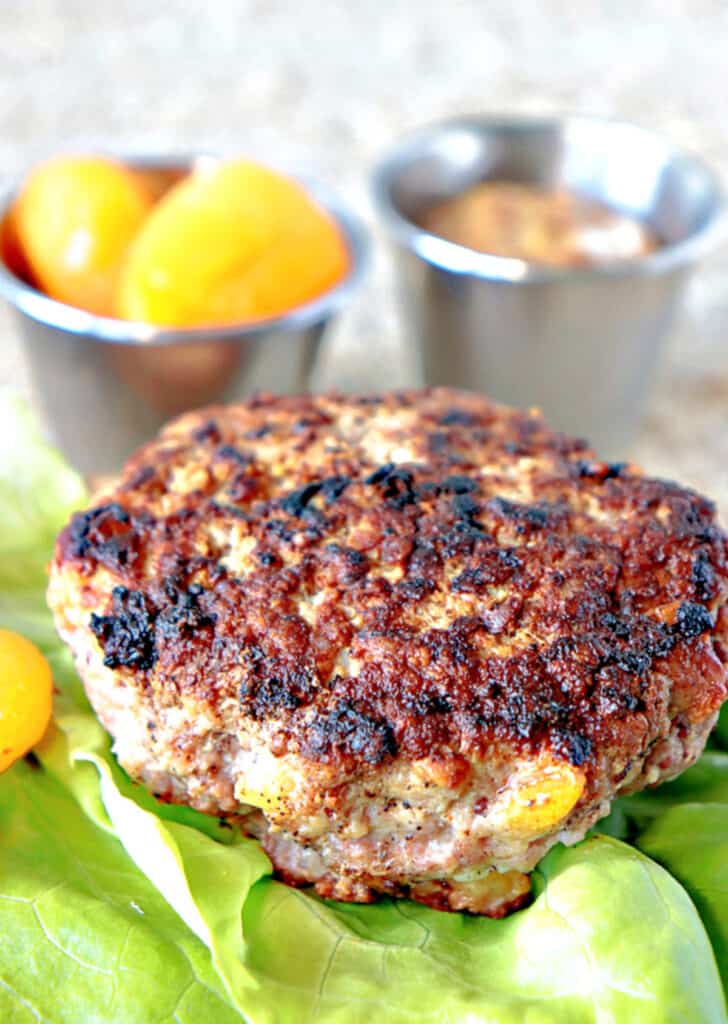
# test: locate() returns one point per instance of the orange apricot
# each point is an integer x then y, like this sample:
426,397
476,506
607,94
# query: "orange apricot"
232,243
26,689
75,217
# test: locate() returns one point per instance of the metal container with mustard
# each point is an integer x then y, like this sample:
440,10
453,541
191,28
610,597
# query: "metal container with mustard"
542,260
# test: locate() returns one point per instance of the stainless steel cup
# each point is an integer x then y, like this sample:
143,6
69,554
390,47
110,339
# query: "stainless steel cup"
104,386
581,344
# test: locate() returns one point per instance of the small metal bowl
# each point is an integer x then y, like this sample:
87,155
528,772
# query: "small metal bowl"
104,386
580,343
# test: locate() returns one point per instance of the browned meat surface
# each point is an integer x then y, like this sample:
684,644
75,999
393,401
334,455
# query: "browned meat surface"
410,641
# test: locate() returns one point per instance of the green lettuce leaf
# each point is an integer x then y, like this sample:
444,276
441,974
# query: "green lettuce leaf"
721,729
85,936
705,783
691,841
610,937
684,826
201,866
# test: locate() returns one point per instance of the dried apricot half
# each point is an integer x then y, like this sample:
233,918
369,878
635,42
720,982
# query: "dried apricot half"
26,689
75,217
233,242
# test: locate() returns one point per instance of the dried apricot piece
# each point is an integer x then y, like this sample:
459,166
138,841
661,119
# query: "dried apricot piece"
75,217
542,795
232,243
26,689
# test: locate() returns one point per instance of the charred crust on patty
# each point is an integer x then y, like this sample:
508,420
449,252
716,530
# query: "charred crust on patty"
535,516
183,617
105,534
207,431
458,417
127,633
230,453
395,484
600,470
347,731
692,620
704,577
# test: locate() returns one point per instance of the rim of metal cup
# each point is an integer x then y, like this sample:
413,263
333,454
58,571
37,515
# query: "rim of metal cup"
458,259
42,308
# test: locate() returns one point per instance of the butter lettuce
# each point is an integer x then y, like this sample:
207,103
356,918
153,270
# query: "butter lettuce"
721,729
691,841
85,936
609,937
686,831
118,909
683,825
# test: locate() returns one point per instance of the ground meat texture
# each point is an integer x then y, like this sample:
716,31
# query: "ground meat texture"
409,641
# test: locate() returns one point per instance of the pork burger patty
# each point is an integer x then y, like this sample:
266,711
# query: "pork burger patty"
409,641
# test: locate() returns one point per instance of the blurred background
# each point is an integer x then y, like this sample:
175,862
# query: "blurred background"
326,87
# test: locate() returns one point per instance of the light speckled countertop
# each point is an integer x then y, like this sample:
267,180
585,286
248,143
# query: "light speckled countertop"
328,85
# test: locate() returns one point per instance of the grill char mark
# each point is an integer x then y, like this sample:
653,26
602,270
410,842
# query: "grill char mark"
127,634
349,731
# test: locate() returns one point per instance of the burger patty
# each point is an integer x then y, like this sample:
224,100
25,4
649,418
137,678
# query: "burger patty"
409,641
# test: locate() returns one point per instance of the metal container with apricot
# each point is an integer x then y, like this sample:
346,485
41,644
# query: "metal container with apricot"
147,287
